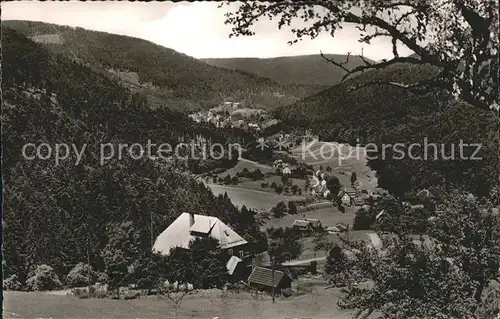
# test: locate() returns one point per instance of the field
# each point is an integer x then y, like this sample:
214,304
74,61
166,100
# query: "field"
251,184
249,192
341,158
251,198
328,216
250,165
318,303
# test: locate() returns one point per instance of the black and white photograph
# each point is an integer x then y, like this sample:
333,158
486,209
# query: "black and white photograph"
322,159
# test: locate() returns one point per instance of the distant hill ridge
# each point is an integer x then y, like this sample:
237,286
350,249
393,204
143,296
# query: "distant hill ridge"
302,69
384,114
185,83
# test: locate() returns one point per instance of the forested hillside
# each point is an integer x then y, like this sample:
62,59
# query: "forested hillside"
64,213
170,78
302,69
388,115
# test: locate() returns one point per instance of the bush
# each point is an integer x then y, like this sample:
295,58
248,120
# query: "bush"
132,295
279,210
80,293
12,283
101,277
363,220
43,278
80,276
85,293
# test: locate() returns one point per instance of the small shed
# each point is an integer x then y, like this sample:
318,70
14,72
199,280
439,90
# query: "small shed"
232,264
262,279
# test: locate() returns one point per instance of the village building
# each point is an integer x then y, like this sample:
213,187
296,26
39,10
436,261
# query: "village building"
189,226
326,193
358,201
332,230
342,227
345,197
287,171
254,126
307,225
352,192
263,279
278,163
376,197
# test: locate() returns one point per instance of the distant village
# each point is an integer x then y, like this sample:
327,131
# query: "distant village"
235,114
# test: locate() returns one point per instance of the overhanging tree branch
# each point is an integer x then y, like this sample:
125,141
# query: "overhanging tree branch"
440,33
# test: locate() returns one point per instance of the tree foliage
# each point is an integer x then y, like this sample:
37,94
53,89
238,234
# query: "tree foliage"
203,265
446,274
284,245
43,278
338,266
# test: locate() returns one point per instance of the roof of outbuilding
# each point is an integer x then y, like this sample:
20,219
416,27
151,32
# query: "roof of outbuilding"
301,223
264,276
232,263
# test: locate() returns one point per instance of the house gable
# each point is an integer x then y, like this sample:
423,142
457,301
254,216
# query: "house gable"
187,227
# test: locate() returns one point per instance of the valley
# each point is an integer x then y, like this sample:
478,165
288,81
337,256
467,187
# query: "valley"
273,187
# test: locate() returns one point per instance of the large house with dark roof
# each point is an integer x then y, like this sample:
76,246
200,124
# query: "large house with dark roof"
188,226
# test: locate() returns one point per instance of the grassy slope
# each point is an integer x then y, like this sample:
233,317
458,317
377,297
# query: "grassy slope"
252,198
320,304
304,69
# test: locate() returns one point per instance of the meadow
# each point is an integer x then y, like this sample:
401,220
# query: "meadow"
256,199
318,302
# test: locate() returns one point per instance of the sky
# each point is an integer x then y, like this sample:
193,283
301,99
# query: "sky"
193,28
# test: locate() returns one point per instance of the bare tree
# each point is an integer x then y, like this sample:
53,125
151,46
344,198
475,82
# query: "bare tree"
174,294
459,37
